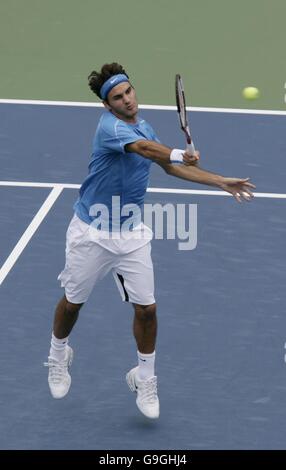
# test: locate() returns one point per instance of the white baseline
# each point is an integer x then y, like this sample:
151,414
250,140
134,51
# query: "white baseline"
87,104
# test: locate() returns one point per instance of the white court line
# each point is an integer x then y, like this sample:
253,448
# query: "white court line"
57,188
148,106
27,235
28,184
200,192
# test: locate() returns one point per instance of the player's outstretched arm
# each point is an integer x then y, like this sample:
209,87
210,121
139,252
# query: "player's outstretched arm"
240,188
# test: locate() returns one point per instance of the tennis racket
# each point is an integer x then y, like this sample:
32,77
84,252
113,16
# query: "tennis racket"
181,108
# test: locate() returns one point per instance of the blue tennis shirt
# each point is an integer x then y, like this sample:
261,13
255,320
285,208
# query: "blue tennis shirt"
112,170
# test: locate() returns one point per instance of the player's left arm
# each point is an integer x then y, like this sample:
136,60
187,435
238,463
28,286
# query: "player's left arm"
240,188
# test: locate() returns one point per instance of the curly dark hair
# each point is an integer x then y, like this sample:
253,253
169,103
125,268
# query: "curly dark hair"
97,79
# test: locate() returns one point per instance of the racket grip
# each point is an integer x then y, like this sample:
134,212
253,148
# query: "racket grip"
191,148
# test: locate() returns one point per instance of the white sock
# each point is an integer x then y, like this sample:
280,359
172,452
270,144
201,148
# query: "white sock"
58,348
146,363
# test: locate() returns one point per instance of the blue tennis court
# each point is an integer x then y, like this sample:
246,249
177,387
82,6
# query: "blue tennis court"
221,307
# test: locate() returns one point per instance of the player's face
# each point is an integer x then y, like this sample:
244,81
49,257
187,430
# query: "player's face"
122,102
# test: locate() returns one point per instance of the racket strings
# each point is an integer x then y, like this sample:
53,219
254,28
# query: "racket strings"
181,103
181,108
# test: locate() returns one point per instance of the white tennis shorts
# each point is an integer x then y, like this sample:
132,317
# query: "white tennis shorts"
89,260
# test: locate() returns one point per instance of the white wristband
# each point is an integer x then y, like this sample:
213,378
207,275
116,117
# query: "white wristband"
176,156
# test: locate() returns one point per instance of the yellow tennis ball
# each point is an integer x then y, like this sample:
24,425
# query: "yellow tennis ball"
250,93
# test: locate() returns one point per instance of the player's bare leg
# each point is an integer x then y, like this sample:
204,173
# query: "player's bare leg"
145,327
142,379
61,354
66,315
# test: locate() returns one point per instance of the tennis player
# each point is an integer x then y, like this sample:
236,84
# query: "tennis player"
124,147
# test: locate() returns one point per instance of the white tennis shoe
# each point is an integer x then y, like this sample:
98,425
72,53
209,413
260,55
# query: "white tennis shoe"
59,378
147,399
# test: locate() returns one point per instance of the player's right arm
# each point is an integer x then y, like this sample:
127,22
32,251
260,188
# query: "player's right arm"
157,152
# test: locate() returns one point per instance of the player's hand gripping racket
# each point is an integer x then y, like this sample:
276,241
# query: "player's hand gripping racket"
181,108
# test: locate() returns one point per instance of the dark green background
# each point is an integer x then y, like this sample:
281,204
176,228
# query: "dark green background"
48,47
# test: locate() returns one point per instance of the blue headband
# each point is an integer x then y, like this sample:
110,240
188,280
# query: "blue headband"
112,82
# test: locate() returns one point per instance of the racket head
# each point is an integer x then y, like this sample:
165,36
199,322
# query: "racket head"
181,106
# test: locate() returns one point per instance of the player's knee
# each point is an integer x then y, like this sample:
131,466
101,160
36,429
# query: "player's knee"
146,313
72,308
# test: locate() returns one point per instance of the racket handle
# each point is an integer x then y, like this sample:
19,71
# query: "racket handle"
191,148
